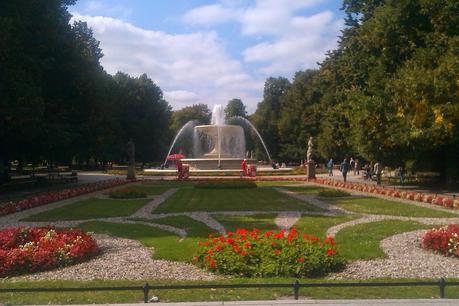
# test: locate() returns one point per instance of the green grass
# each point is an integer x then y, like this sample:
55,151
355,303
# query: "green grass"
184,249
165,243
318,225
197,295
262,222
213,200
308,189
89,209
275,183
361,241
378,206
152,189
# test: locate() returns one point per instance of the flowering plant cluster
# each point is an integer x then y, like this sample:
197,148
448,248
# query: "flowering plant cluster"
264,254
128,193
444,240
48,197
25,250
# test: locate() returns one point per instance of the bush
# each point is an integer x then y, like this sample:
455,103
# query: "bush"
333,193
27,250
226,184
127,193
254,254
444,240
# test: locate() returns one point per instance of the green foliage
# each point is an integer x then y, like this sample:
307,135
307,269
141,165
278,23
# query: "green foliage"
58,105
225,184
254,253
235,107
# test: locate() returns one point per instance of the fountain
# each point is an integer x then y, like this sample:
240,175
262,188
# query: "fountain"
215,146
218,145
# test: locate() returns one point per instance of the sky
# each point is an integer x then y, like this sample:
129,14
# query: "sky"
202,51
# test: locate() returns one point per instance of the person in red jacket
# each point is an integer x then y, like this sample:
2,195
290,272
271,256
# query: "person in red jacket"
244,167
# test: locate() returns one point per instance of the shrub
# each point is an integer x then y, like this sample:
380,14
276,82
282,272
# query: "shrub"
254,254
333,193
226,184
444,240
26,250
127,193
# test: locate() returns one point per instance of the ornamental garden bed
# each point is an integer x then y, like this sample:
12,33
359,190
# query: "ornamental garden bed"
443,240
266,254
28,250
49,197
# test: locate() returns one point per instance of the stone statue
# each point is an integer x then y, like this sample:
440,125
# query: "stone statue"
310,153
131,160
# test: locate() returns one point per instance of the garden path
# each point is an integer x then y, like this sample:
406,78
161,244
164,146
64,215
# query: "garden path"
406,259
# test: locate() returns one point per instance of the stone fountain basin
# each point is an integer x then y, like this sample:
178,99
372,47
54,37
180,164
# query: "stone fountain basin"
212,163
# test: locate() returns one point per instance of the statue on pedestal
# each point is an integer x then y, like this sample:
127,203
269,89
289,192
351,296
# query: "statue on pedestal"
131,160
310,164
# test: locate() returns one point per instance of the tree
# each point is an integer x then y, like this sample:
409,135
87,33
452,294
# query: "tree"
267,114
235,108
199,112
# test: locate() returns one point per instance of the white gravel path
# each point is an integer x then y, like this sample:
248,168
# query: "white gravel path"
145,211
122,259
406,259
285,220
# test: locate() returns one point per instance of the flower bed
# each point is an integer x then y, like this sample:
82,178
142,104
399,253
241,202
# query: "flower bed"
255,254
28,250
444,240
127,193
49,197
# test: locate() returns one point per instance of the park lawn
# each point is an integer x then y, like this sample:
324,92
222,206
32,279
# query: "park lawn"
276,183
167,245
211,294
90,209
307,189
318,225
196,231
152,189
362,241
246,199
377,206
261,221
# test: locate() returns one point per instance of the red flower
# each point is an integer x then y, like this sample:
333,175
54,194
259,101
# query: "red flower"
331,252
277,251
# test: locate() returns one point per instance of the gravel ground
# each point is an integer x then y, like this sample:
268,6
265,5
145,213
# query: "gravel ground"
122,259
286,220
405,259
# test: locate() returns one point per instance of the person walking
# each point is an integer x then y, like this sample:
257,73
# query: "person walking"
344,168
352,164
378,171
401,173
330,167
357,167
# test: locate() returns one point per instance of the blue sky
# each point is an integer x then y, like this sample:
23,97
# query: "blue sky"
201,51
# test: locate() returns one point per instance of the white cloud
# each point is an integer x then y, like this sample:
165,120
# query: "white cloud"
190,68
101,7
210,15
302,46
288,40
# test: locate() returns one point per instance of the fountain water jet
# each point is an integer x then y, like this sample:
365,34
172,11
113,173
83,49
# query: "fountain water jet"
218,145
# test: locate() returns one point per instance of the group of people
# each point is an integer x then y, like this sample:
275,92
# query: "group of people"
354,165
